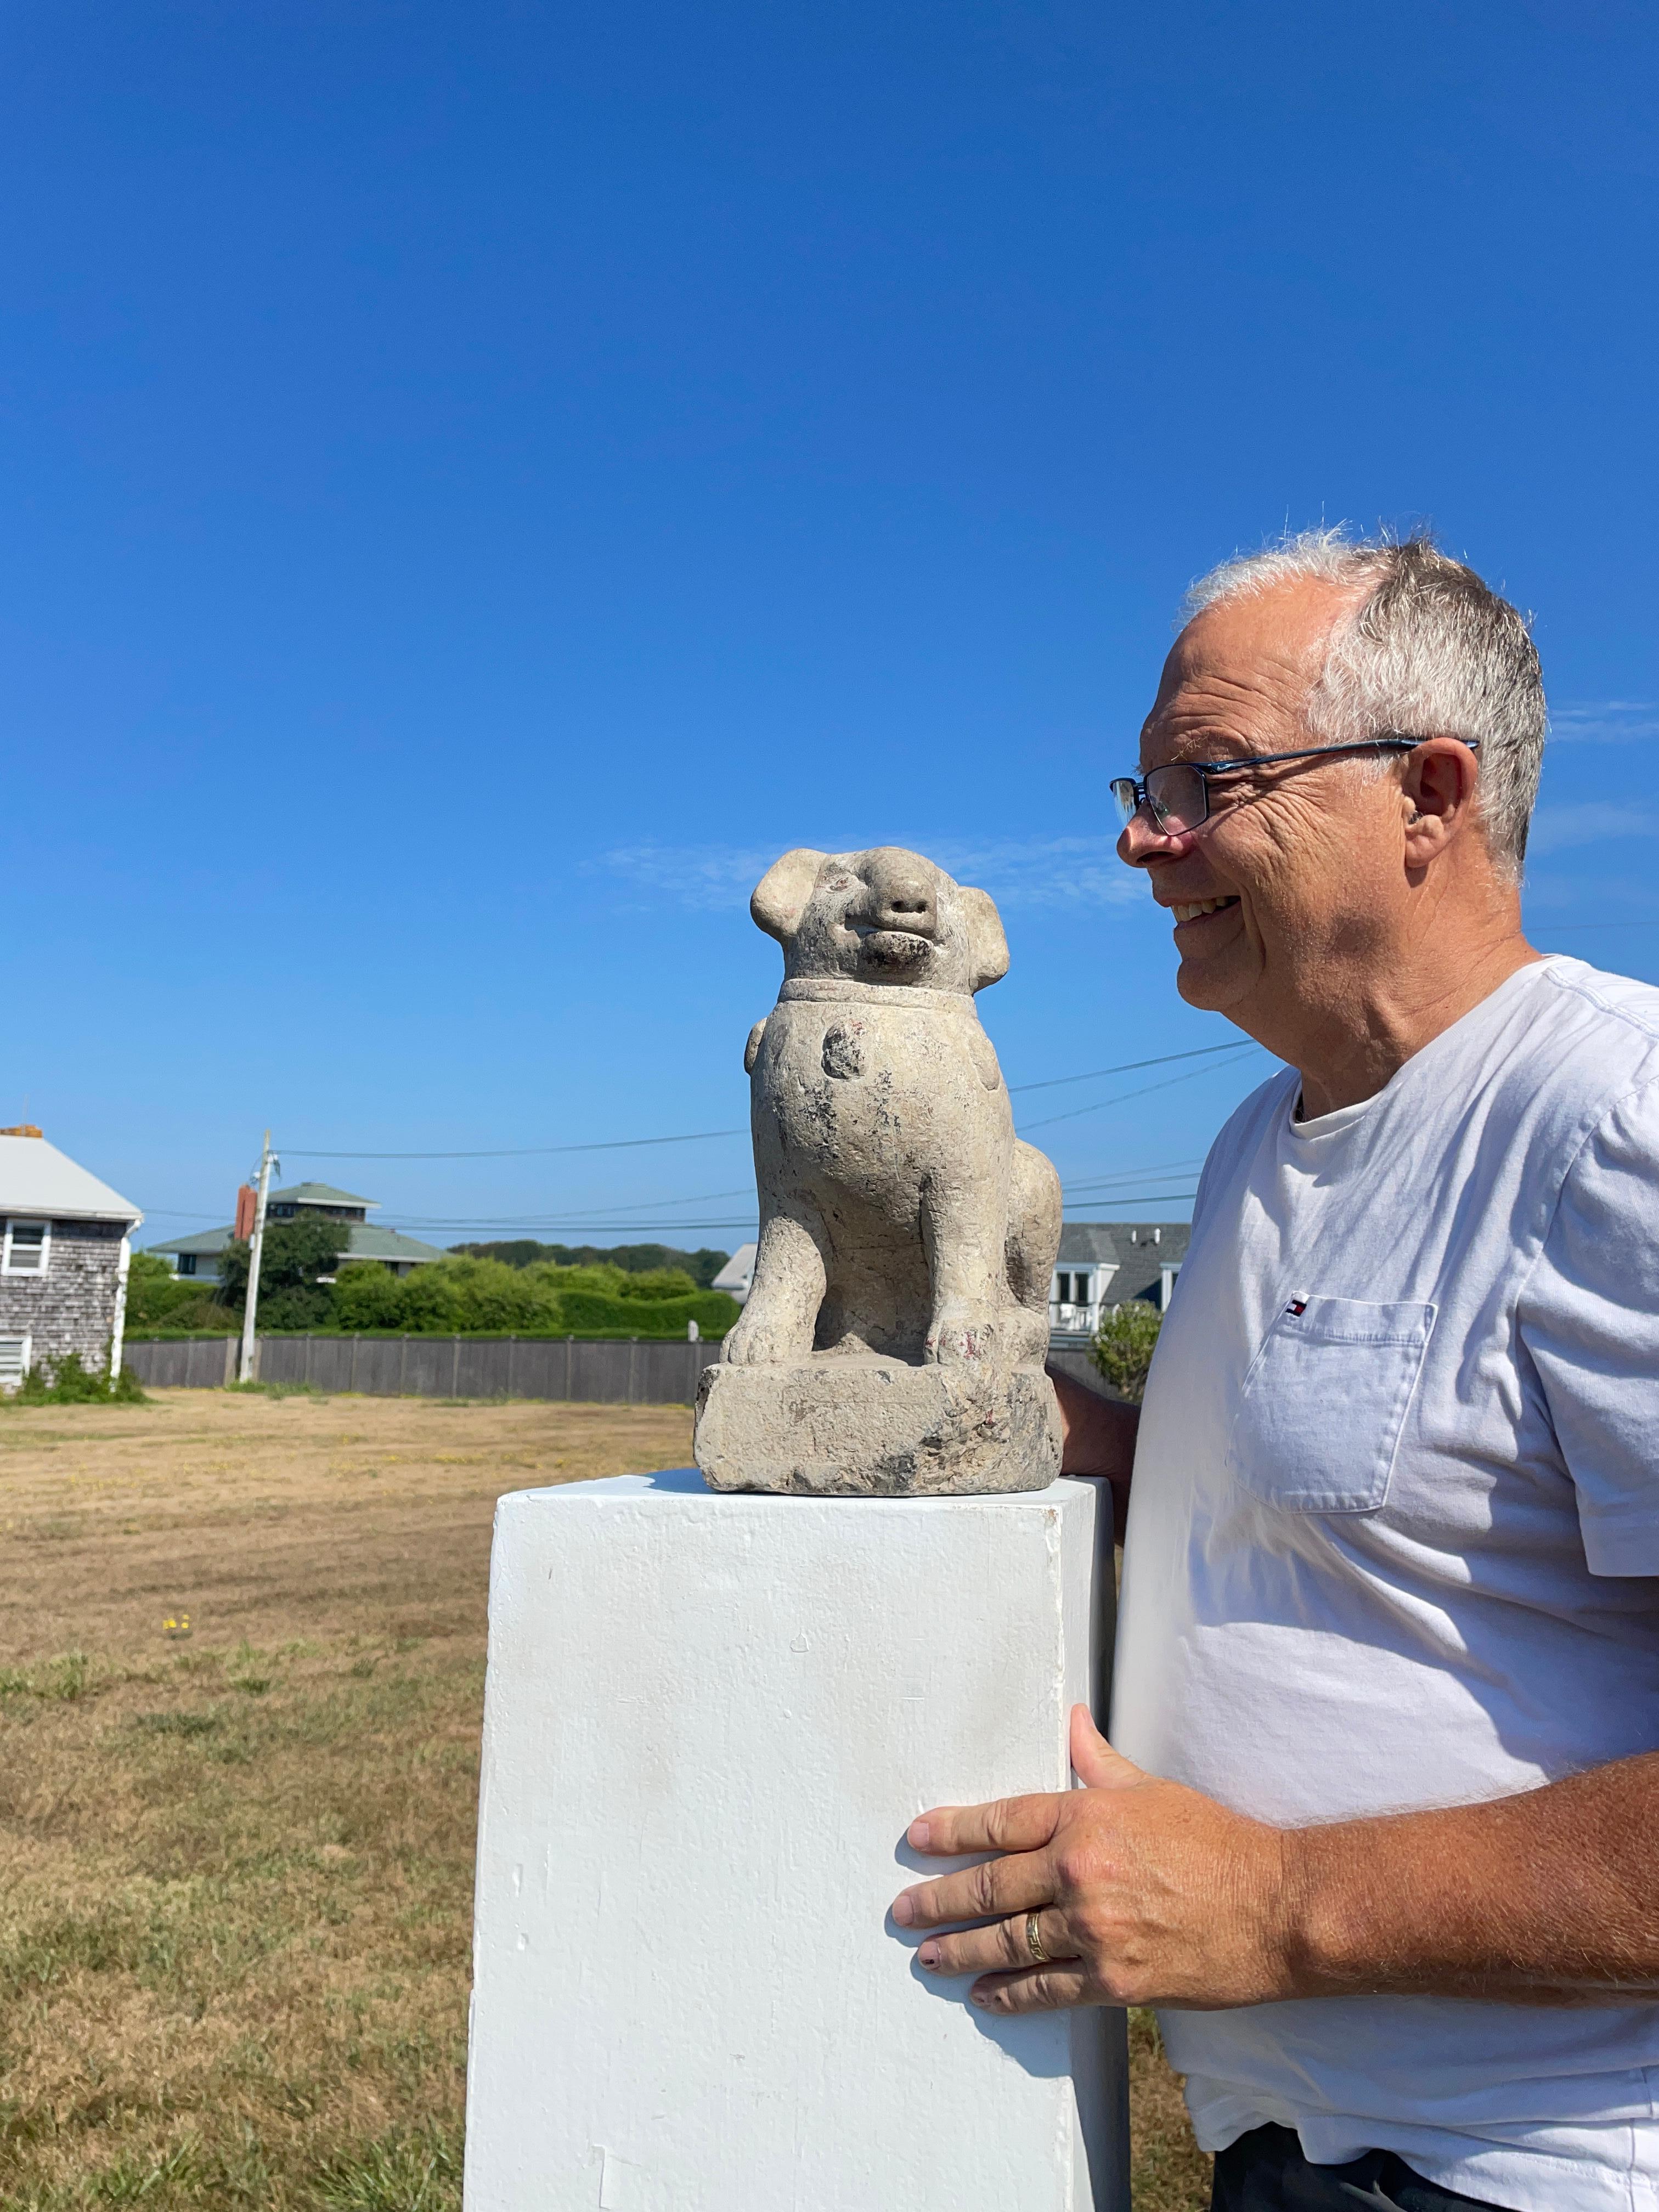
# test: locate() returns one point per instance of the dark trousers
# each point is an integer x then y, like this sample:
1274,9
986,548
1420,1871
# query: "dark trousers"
1266,2171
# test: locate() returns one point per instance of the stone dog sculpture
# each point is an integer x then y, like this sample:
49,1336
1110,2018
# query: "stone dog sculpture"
893,1340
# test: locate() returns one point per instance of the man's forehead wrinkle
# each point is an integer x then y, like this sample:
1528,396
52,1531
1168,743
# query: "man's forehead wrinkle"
1252,714
1243,669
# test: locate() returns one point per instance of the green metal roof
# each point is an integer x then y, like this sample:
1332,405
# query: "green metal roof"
320,1194
369,1243
365,1242
204,1241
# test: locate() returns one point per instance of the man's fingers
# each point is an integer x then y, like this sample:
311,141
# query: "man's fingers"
1006,1824
1040,1989
985,1892
1005,1943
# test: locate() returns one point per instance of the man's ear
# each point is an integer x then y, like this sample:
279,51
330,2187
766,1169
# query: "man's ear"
987,946
782,894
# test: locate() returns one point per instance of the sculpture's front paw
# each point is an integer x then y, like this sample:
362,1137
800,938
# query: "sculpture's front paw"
960,1336
753,1344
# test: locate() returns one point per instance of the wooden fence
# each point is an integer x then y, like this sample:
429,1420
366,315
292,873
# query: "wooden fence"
642,1371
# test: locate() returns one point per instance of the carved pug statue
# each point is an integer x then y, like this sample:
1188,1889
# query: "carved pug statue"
894,1336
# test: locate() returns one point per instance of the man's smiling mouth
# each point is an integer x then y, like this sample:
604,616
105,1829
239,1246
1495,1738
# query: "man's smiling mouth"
1191,912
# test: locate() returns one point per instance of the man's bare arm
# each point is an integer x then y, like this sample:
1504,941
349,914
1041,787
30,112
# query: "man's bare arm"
1553,1894
1099,1435
1149,1893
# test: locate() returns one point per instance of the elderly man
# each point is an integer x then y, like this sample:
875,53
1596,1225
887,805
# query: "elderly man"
1380,1833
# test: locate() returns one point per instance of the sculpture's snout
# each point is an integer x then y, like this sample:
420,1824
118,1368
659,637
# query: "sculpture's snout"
900,899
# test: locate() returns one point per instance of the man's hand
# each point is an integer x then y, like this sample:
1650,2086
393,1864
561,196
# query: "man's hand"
1137,1891
1145,1892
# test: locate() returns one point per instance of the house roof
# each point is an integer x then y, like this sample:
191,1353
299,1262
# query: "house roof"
206,1241
366,1242
737,1272
1133,1247
1084,1241
36,1178
320,1194
369,1242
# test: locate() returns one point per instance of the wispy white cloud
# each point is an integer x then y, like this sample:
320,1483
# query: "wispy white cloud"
1593,822
1604,721
706,877
1072,872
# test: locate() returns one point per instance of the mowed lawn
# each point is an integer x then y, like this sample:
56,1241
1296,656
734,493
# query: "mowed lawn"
241,1671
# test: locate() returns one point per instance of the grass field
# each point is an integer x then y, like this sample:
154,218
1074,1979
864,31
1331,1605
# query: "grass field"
241,1665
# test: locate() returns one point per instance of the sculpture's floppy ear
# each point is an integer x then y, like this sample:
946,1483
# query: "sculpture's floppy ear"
987,946
782,894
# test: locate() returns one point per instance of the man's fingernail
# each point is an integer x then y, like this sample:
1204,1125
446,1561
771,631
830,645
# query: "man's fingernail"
928,1954
904,1911
918,1833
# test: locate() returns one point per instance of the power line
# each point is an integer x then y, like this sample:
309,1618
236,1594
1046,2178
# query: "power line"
1101,1104
1127,1067
1079,1183
705,1136
1560,928
523,1152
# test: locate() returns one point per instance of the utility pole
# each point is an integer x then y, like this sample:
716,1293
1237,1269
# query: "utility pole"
267,1161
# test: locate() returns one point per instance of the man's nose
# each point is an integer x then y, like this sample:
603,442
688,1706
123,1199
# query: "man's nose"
1143,840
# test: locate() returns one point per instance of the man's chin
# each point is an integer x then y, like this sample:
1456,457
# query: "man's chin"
1214,985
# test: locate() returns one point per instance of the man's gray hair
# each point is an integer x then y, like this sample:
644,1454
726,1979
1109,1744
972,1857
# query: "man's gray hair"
1429,650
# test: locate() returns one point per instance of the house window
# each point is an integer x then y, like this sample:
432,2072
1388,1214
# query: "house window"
27,1248
186,1263
13,1361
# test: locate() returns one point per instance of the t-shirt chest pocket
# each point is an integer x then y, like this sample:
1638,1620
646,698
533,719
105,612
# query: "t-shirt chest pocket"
1319,1415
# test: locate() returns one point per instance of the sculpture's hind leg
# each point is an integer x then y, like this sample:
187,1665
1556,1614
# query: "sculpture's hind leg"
1034,1211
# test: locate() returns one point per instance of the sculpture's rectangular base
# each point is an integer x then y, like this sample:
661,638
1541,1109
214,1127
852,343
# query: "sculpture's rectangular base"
709,1720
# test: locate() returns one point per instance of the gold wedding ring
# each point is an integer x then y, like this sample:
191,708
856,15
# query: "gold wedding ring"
1034,1939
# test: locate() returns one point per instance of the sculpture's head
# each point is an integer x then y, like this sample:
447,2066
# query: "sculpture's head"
886,916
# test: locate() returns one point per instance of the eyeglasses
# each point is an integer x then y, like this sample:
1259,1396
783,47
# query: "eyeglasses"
1177,796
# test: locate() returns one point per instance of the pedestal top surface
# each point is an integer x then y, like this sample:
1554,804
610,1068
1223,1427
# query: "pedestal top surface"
678,1483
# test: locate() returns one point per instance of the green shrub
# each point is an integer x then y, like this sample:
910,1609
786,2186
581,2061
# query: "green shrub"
586,1312
658,1282
368,1296
157,1298
461,1294
70,1382
702,1266
1122,1349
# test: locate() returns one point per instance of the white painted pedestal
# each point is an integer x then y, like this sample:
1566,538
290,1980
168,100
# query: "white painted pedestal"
709,1720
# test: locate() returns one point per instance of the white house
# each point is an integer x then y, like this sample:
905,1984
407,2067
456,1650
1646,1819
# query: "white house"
737,1277
199,1256
1108,1263
64,1259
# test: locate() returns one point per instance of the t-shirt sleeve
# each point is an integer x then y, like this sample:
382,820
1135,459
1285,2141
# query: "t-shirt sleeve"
1589,1318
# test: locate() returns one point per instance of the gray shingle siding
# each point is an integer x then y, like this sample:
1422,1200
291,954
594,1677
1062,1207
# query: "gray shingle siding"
71,1307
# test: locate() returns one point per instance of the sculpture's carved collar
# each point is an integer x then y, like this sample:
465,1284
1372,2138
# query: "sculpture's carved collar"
845,988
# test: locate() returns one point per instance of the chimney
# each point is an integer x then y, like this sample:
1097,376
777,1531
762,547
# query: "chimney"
22,1129
247,1203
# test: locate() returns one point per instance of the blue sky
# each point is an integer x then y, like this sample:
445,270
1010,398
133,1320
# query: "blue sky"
482,481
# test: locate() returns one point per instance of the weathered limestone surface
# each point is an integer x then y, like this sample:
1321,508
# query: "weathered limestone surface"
894,1338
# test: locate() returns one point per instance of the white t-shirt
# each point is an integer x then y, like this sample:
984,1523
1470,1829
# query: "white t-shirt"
1393,1542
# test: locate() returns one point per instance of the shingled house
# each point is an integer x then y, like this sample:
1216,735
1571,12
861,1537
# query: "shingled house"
199,1255
63,1260
1107,1263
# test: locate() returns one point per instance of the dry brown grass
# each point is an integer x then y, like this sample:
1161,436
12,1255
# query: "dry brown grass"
236,1866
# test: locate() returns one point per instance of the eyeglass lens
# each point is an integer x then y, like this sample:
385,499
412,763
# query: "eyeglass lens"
1175,797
